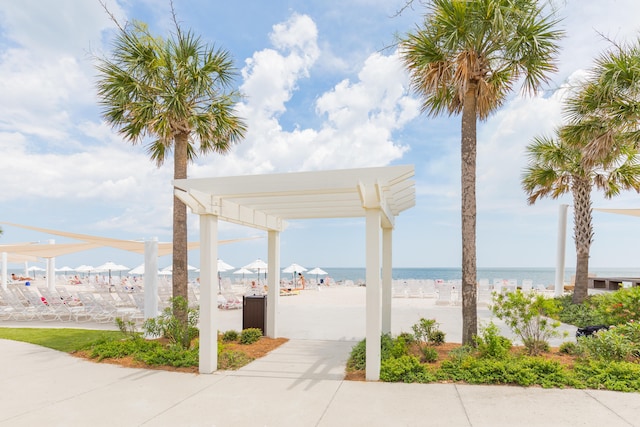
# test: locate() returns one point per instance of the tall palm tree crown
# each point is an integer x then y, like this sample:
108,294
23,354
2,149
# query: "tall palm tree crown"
466,58
598,147
557,167
176,95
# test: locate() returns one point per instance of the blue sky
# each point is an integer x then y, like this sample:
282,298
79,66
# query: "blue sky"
324,90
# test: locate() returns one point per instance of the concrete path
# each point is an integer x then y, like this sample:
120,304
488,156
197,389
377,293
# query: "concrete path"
298,384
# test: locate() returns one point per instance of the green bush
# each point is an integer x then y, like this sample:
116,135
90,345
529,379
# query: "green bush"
404,368
168,326
610,345
358,357
110,349
230,336
232,360
489,343
169,356
426,332
580,315
526,314
571,348
250,335
429,354
617,376
619,307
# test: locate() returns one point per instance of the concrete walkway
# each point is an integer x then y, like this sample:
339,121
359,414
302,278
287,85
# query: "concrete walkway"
298,384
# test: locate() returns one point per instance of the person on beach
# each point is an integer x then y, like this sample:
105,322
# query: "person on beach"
14,277
301,280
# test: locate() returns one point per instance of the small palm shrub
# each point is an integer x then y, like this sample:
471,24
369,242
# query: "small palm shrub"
168,326
426,332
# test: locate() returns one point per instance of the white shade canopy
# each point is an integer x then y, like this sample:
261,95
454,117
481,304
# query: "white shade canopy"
64,269
294,268
317,271
223,266
137,270
244,271
111,266
257,265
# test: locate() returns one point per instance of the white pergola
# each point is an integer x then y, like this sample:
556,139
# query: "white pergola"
266,202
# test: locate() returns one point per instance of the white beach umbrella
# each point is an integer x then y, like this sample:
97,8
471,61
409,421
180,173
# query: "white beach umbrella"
294,268
259,265
244,271
223,266
137,270
169,269
85,268
111,266
64,269
317,271
35,268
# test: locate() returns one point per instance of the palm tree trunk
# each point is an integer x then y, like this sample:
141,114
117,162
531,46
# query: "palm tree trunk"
583,234
180,278
468,192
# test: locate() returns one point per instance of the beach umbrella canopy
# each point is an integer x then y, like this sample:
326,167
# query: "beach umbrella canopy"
294,268
85,268
223,266
169,269
137,270
317,271
64,269
259,265
244,271
111,266
35,268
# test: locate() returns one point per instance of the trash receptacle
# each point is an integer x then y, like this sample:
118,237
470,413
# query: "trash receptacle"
254,312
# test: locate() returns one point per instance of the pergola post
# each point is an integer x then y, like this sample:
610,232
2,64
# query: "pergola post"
4,277
562,239
51,271
273,282
208,355
373,308
151,278
387,278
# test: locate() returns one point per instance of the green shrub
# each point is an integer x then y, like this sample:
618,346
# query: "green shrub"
429,354
110,349
358,357
580,315
426,332
619,307
617,376
526,315
250,335
169,356
168,326
571,348
490,343
610,345
230,336
404,368
232,360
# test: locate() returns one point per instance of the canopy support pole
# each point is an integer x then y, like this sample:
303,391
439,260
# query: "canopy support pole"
562,239
273,282
387,278
208,355
373,308
151,278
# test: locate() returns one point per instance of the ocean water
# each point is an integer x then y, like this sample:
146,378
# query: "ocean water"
544,276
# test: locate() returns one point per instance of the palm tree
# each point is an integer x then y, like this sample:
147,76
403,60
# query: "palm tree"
465,59
604,114
557,167
176,94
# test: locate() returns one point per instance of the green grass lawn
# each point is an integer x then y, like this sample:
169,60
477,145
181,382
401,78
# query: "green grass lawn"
66,340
